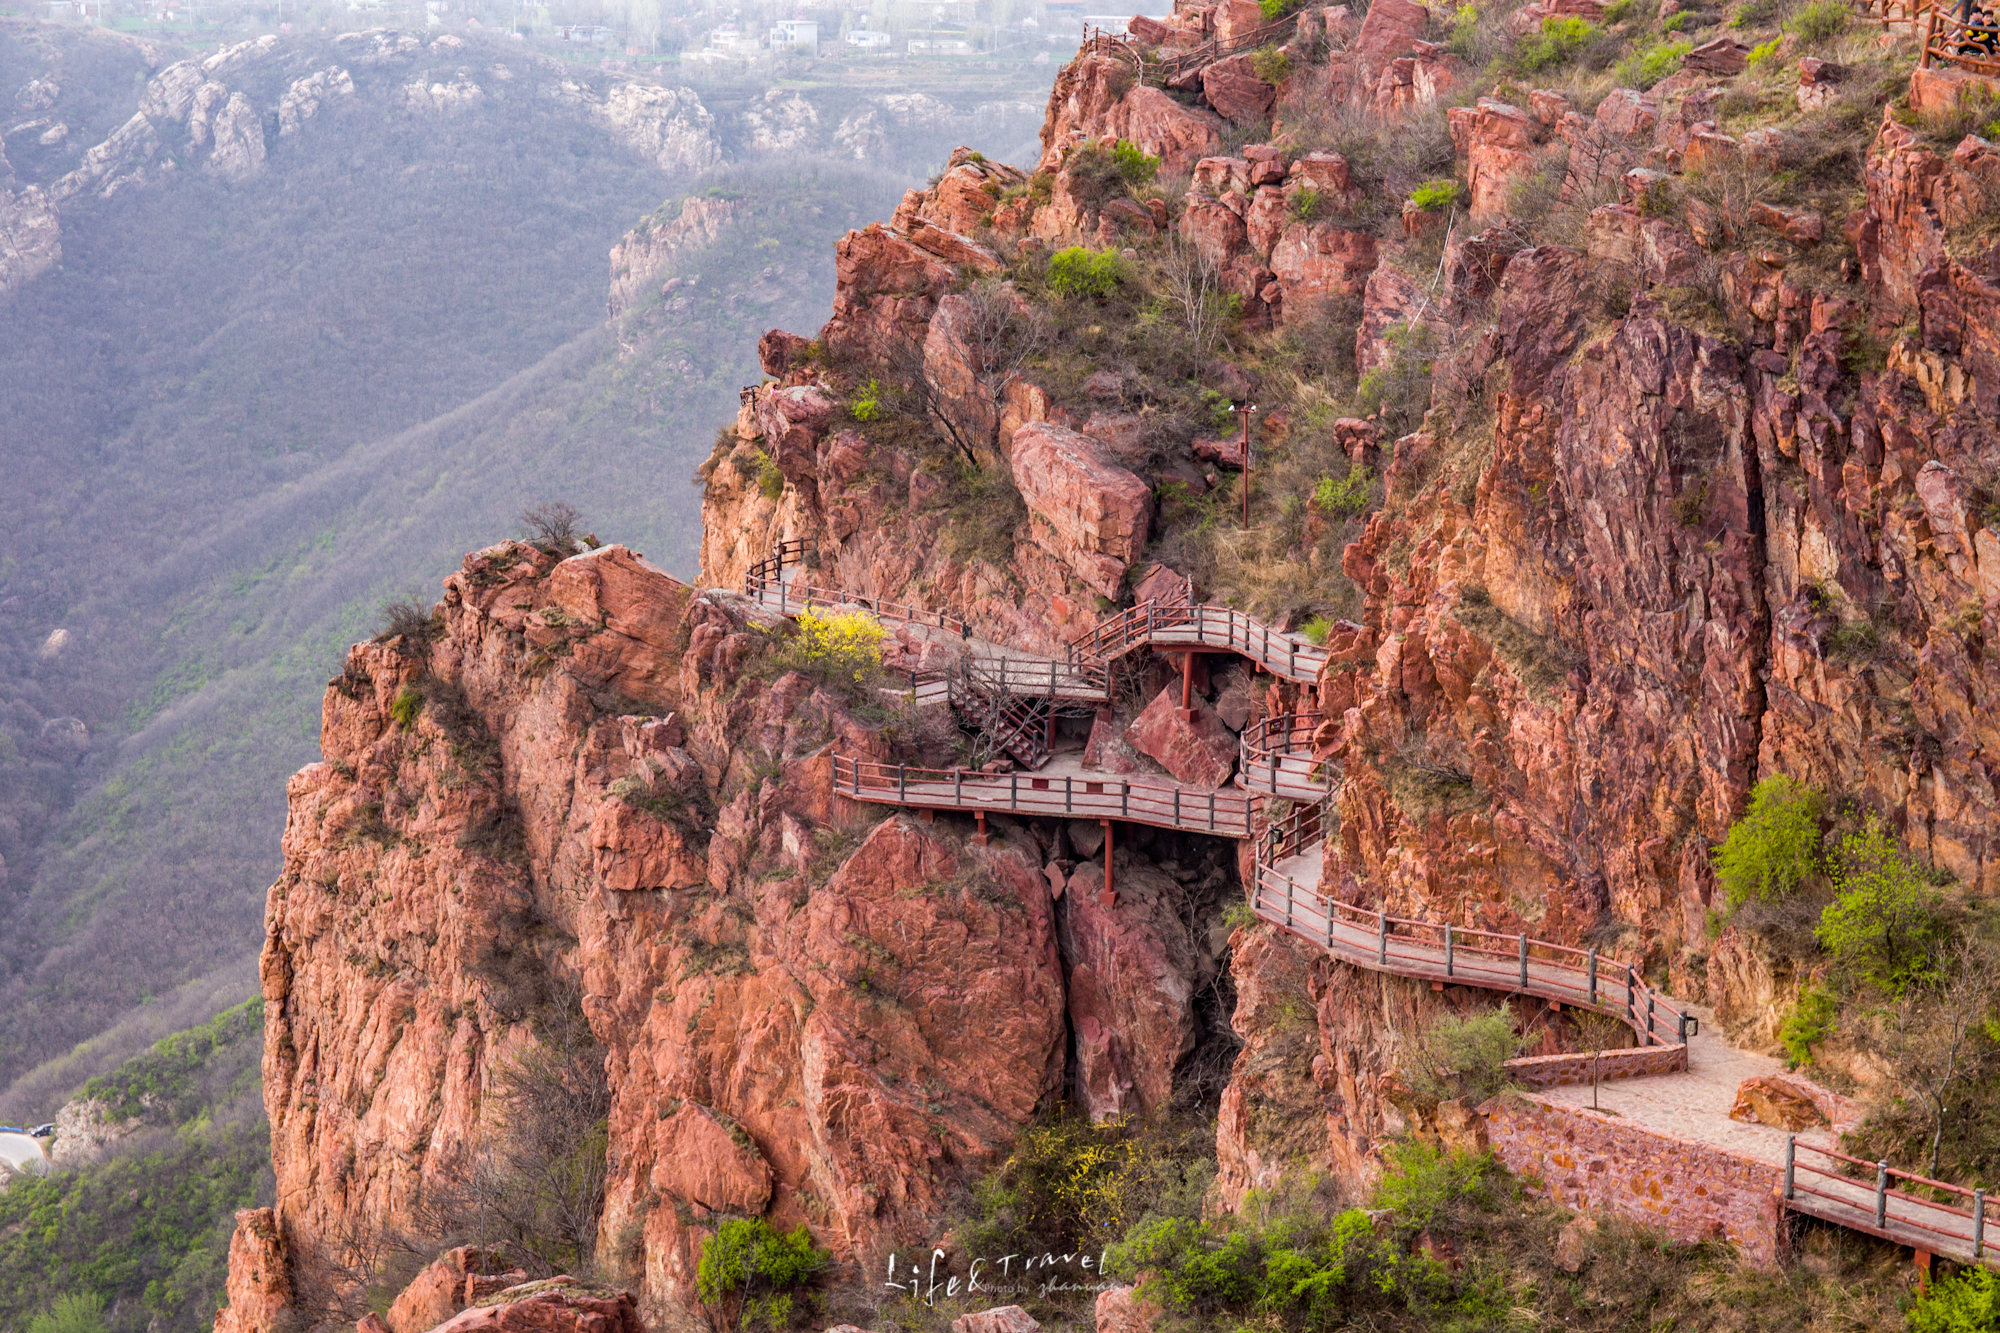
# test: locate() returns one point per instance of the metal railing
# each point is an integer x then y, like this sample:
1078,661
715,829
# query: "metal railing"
787,598
1043,678
1460,956
1181,622
1886,12
1167,70
1871,1203
1226,814
771,569
1275,756
1969,46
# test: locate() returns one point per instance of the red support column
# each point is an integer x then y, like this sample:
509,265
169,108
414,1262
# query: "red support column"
1187,685
981,836
1109,897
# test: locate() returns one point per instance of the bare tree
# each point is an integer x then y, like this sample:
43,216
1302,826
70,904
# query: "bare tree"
1598,1031
556,526
534,1189
980,341
1194,288
1938,1041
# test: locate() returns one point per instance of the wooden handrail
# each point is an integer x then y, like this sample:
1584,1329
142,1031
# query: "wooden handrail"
1526,966
1891,1209
1220,813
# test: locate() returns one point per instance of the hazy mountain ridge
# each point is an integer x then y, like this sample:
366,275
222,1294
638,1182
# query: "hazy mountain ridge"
243,412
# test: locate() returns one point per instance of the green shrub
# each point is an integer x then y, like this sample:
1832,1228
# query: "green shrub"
1347,496
1296,1269
1774,846
1617,11
1764,51
1643,69
869,405
1464,32
1557,40
752,1261
1461,1058
1423,1183
770,481
1435,194
1966,1302
1820,21
1398,393
1676,22
1883,921
405,707
1078,271
1306,205
1271,65
1274,10
1316,630
1810,1022
71,1314
1135,164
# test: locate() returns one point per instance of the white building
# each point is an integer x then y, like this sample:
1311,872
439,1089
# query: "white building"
795,35
944,46
863,37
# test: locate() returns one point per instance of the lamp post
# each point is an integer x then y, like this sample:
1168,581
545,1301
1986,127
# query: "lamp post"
1244,411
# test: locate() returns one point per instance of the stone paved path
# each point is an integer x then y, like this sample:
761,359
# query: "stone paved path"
1695,1104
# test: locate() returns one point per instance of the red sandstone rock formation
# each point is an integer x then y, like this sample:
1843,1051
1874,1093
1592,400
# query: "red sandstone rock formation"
551,1307
1088,512
1193,745
260,1284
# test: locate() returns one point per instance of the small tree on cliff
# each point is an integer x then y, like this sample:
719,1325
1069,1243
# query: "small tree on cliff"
1942,1037
536,1185
1461,1058
1775,846
980,342
556,527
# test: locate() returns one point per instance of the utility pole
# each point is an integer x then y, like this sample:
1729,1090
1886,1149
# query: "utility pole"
1244,412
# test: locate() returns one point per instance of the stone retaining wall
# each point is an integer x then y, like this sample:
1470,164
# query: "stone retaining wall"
1588,1161
1561,1071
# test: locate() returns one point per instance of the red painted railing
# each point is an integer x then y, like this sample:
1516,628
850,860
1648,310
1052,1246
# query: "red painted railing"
1870,1202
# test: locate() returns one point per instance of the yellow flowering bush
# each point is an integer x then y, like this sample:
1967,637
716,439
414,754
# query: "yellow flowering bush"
839,647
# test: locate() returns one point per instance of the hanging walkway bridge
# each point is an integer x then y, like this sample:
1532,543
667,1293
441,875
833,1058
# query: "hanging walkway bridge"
1277,763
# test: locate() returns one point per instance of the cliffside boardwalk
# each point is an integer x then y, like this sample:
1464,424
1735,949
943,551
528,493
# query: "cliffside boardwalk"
1796,1172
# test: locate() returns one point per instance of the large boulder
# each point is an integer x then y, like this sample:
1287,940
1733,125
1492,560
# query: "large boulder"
452,1281
1498,142
1085,509
1002,1319
1124,1310
1198,749
1238,95
886,286
1133,976
1313,260
557,1305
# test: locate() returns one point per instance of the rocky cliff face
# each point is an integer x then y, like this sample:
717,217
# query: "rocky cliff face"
1692,504
810,1012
